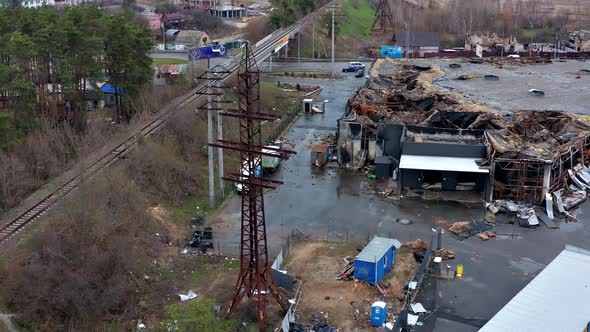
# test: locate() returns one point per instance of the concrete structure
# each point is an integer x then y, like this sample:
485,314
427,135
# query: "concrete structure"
443,159
417,42
228,11
556,300
375,260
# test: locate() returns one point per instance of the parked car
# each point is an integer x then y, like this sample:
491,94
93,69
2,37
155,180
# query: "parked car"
245,175
353,66
360,73
270,163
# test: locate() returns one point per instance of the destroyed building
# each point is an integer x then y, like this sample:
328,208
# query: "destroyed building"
536,153
440,140
493,43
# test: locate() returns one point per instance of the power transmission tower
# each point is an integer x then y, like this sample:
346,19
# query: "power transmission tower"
255,278
383,17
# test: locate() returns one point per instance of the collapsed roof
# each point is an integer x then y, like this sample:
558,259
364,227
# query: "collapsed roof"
407,96
539,135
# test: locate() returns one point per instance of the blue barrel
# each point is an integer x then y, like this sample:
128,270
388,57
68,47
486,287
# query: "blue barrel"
378,313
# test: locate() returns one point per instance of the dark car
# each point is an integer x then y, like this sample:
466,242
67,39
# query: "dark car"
359,73
349,69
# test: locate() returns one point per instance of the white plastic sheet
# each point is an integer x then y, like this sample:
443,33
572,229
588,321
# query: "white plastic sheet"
412,319
188,296
417,308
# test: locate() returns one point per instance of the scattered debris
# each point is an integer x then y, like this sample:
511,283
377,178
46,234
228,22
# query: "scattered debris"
455,65
491,77
465,229
412,319
466,77
444,254
417,308
486,235
536,92
188,296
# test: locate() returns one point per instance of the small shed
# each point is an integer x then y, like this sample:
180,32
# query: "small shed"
376,259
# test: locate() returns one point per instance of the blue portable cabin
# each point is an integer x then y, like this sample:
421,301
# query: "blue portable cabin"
376,259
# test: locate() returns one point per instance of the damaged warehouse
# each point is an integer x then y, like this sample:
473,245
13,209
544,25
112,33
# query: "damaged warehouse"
439,140
539,153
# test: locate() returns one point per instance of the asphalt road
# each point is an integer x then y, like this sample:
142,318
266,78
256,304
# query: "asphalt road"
330,204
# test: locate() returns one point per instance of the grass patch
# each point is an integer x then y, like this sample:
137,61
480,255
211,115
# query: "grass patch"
359,19
168,61
190,208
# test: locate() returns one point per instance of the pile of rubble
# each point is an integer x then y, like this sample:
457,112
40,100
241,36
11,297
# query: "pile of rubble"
408,97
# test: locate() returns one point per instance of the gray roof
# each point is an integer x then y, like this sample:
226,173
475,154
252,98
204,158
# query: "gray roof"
378,246
416,39
556,300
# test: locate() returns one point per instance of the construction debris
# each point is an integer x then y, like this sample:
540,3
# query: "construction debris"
445,254
460,228
486,235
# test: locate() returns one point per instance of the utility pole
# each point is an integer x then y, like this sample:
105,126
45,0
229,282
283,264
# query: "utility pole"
220,154
407,41
313,40
333,33
299,47
215,77
210,138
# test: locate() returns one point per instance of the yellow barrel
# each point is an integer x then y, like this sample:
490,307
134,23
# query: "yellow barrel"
459,271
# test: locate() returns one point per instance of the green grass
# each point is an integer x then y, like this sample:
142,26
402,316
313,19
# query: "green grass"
358,21
190,208
168,61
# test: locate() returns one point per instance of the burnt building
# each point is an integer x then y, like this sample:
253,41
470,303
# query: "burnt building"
444,159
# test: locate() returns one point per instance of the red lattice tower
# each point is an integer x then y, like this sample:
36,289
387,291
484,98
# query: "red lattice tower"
255,278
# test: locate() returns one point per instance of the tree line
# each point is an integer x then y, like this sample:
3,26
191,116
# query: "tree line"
52,62
286,12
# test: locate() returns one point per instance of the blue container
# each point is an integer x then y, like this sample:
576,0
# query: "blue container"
378,313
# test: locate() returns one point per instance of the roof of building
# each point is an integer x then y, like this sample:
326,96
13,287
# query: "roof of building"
417,39
171,16
435,163
228,7
555,300
378,246
190,37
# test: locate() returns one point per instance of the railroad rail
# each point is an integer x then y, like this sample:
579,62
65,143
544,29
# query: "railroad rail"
9,229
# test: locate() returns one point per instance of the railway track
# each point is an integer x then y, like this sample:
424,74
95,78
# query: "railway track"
11,228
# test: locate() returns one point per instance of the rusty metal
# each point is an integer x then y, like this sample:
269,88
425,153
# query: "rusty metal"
255,277
383,17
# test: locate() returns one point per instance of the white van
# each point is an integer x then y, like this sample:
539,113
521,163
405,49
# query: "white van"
356,64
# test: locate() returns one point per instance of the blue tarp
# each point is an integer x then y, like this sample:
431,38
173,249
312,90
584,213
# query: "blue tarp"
391,52
107,88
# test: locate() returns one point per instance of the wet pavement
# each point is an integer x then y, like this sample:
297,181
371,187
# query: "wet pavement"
330,204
